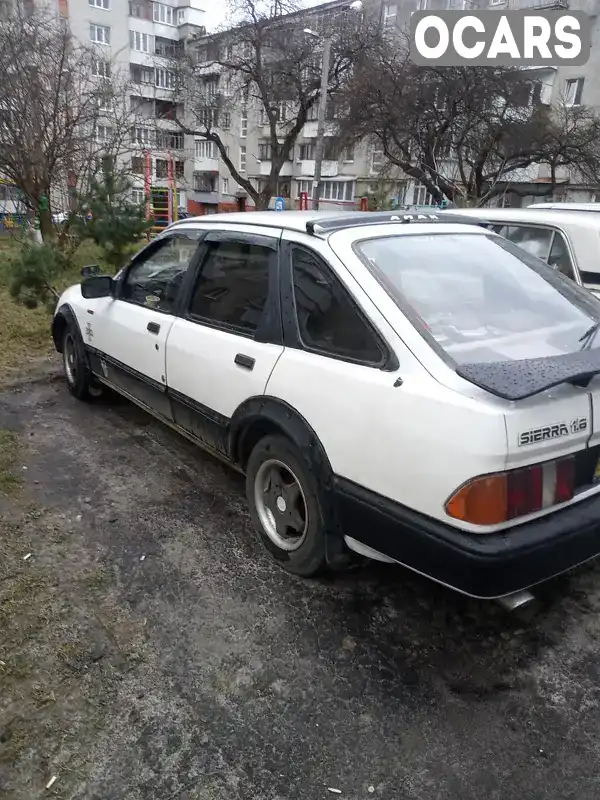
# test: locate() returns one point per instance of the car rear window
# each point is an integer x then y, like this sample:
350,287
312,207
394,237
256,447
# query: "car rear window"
480,298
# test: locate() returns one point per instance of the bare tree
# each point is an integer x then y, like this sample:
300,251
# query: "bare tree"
468,134
267,68
61,110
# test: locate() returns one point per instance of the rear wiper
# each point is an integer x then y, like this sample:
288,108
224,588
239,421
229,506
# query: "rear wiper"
589,336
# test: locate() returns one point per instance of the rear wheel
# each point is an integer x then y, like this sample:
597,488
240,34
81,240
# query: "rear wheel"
79,378
285,506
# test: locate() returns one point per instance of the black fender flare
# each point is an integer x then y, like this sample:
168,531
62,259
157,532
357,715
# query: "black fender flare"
259,416
63,316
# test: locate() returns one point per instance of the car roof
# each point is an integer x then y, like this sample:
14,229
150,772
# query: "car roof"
321,222
543,216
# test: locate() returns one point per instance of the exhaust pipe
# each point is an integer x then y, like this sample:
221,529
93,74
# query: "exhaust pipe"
516,600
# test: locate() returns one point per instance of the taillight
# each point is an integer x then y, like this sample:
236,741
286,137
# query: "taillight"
491,499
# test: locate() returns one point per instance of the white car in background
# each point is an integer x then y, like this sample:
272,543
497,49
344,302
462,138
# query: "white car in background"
567,240
410,387
567,206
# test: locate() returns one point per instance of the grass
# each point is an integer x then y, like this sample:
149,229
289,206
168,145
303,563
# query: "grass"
25,332
10,481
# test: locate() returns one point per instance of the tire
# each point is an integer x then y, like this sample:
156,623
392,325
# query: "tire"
282,493
80,381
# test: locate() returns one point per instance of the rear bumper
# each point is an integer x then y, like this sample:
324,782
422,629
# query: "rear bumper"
485,566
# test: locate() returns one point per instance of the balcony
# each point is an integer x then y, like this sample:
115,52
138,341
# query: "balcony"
329,169
286,170
208,165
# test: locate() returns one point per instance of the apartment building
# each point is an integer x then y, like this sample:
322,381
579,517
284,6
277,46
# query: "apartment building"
135,41
346,177
349,177
571,85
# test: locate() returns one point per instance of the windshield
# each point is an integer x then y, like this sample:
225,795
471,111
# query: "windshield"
481,298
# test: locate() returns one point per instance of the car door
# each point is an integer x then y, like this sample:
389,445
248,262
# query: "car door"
224,347
128,334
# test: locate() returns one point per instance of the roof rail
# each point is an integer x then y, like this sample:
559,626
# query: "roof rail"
316,227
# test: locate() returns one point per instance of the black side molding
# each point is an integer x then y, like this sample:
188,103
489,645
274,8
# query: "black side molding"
516,380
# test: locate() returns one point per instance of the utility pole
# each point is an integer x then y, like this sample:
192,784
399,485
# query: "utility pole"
321,122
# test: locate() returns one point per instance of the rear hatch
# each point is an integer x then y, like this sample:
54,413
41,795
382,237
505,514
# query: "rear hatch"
508,323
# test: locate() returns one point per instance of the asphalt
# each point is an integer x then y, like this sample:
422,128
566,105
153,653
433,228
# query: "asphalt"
245,682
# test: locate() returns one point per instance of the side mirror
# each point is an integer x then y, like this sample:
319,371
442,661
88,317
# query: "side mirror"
93,269
97,286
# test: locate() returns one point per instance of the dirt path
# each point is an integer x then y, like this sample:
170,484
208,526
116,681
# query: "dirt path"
148,648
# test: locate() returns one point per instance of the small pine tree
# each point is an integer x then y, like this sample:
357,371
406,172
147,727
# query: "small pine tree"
108,215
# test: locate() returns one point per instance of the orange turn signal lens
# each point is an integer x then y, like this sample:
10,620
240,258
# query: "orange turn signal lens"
482,501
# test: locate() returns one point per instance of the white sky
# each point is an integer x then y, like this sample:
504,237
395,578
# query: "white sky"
216,11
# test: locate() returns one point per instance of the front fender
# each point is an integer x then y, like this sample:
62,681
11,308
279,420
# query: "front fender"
63,316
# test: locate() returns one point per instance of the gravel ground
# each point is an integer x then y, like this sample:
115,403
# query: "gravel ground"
149,648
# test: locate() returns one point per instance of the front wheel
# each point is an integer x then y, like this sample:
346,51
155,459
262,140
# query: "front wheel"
79,379
285,507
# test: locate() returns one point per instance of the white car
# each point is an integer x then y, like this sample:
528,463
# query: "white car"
568,240
567,206
411,387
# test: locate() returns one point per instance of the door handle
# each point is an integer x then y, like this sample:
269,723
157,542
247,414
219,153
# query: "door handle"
244,361
153,327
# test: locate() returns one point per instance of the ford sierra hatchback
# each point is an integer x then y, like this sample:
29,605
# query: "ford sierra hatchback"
413,388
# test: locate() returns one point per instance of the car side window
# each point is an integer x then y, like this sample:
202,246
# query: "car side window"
329,322
535,240
154,280
559,257
233,286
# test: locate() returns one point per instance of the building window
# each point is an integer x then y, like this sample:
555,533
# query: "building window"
139,41
225,185
143,136
244,123
211,87
264,151
141,74
242,159
377,160
181,16
137,196
165,79
100,34
574,90
169,140
205,182
100,68
339,191
139,10
105,4
422,197
164,14
179,169
137,165
225,120
390,13
348,155
204,149
307,151
162,168
103,133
